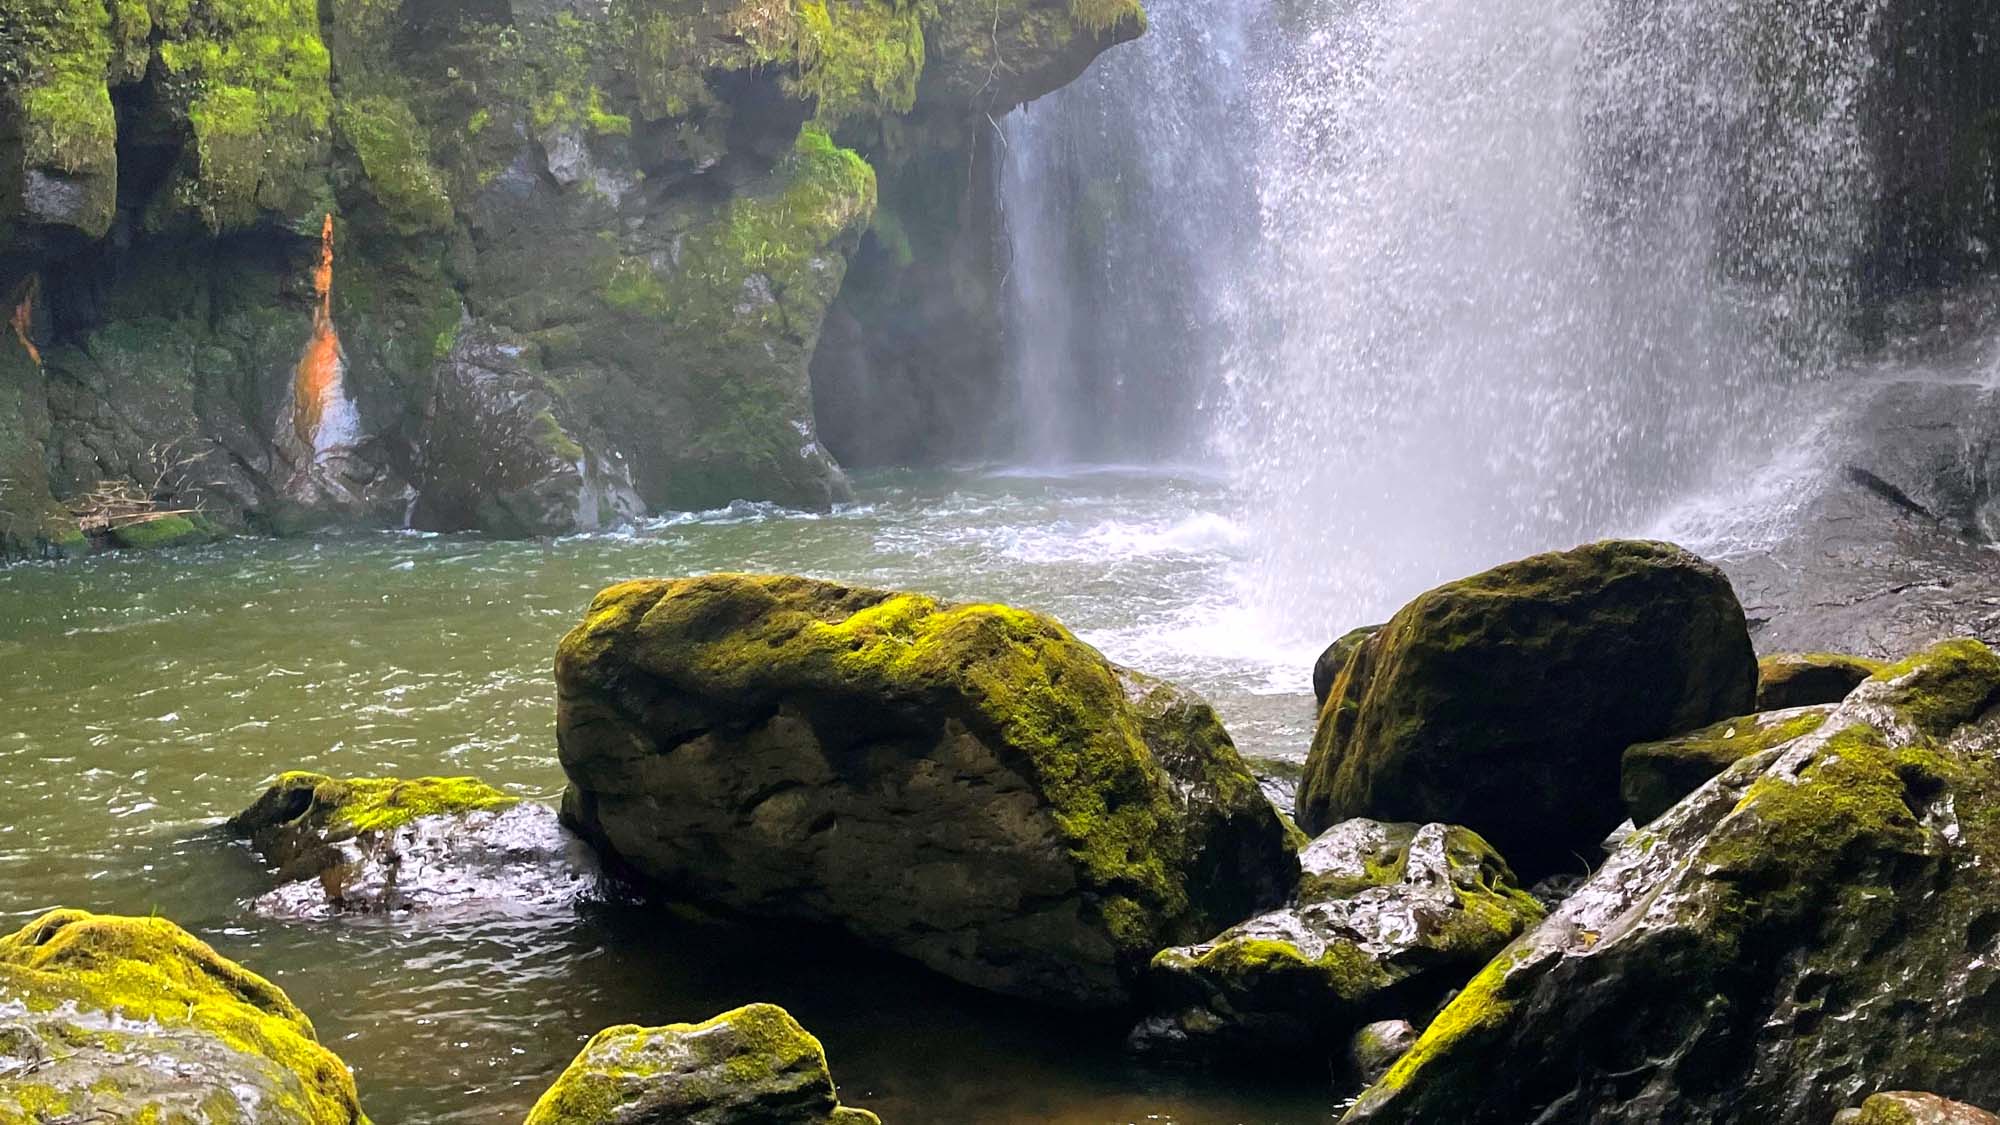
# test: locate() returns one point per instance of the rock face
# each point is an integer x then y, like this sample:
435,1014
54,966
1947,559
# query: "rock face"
520,268
1818,922
752,1066
1389,918
1802,679
133,1020
1503,701
968,785
1907,1108
1656,775
1327,668
381,845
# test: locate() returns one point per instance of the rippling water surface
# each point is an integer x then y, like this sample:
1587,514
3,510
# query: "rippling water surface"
143,699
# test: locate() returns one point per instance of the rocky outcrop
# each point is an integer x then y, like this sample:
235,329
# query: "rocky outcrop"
522,269
1389,919
968,785
1816,923
1803,679
1654,776
1908,1108
1327,668
751,1066
1503,701
383,845
133,1020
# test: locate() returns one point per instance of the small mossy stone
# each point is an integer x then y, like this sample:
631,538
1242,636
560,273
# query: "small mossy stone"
135,1020
1504,701
163,532
1803,679
1902,1107
365,804
751,1066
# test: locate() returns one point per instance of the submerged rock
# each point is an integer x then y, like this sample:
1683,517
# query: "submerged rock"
1656,775
752,1066
1390,918
968,785
1822,916
1503,701
1906,1108
389,845
1802,679
108,1019
1327,668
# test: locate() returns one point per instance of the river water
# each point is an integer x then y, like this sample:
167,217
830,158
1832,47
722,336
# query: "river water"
147,698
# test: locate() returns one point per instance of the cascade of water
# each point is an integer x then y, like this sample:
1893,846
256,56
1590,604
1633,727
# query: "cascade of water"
1530,267
1128,210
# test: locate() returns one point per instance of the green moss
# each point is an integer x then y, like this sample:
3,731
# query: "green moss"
253,75
368,804
1102,16
60,64
162,532
859,57
158,978
394,154
1656,775
1479,1013
1943,686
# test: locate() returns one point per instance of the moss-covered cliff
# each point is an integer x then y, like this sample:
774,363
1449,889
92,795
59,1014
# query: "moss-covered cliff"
523,267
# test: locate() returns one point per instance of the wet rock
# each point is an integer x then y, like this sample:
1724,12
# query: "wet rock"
1907,1108
1803,679
968,785
108,1019
1503,701
1821,916
1376,1047
751,1066
164,532
1327,668
423,845
1390,918
1656,775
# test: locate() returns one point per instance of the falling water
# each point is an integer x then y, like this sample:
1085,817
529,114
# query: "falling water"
1516,273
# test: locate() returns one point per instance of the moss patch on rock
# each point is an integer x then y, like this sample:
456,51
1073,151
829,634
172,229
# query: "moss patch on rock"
1656,775
136,1020
366,804
1803,679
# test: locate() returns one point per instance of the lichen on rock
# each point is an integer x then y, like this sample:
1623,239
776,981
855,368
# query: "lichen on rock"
969,785
751,1066
134,1020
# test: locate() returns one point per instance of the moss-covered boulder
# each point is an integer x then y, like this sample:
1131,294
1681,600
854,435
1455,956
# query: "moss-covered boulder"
1656,775
1503,701
384,845
1327,668
133,1020
165,531
1802,679
969,785
1818,923
1903,1107
751,1066
1389,919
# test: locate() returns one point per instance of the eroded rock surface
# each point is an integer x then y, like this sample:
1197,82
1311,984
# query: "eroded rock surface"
132,1020
1819,921
751,1066
1504,701
965,784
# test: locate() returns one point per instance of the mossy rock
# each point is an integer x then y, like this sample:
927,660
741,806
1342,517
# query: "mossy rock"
1656,775
1327,668
1803,679
969,785
1503,701
162,532
1902,1107
751,1066
1291,988
134,1020
1813,925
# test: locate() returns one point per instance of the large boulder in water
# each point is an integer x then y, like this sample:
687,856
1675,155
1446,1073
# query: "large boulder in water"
388,845
1389,919
968,785
1503,701
752,1066
107,1019
1820,921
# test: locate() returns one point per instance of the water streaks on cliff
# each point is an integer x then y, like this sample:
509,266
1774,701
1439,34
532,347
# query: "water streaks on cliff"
322,416
23,317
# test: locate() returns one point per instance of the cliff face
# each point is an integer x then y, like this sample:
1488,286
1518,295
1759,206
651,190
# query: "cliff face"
525,268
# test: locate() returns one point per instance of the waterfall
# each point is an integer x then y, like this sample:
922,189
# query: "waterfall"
1513,273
